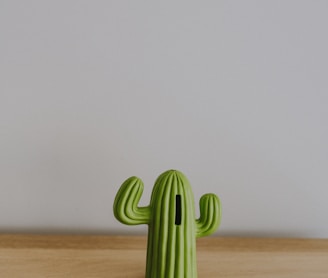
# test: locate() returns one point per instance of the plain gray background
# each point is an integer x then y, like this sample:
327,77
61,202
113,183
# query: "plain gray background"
232,93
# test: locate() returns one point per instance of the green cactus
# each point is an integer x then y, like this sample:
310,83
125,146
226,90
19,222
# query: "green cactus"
172,232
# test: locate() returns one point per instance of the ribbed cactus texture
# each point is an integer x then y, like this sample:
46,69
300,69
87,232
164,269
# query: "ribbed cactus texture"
172,232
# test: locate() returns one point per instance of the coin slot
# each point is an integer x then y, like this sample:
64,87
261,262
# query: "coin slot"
178,210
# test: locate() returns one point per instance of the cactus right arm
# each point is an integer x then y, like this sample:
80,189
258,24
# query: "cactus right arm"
210,215
126,208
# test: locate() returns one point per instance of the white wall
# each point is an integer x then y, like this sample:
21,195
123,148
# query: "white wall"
232,93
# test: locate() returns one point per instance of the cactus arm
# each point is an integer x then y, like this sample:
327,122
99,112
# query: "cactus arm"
210,215
125,206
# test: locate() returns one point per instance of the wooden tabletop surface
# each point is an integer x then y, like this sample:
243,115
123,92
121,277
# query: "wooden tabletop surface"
124,256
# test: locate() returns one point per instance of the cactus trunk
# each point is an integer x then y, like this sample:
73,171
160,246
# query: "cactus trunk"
171,250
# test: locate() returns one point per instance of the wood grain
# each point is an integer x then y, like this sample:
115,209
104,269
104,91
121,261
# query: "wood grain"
122,256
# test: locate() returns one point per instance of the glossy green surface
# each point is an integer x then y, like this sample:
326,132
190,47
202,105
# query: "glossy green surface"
171,250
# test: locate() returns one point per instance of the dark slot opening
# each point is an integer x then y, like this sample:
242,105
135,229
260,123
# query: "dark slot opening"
177,209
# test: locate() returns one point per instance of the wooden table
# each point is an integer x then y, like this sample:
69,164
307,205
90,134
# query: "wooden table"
124,256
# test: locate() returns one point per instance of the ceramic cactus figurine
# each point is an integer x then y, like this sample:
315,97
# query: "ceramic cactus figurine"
173,228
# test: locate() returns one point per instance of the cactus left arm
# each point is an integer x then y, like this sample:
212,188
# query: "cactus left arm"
125,206
210,215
